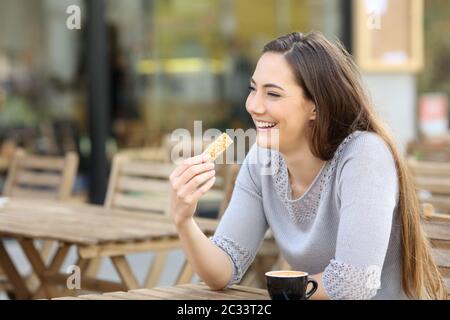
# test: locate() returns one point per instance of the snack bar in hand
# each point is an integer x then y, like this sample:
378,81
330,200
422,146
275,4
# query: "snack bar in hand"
219,145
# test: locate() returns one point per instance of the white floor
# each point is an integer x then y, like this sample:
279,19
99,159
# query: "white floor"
139,263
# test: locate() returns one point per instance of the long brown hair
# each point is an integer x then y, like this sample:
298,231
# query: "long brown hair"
330,78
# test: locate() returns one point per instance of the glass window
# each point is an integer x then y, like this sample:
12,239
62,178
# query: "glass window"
178,61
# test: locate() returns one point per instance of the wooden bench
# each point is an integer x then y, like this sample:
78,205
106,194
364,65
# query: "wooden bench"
433,181
437,229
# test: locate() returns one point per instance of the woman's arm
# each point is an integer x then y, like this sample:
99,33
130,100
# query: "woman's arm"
223,259
189,182
211,264
320,294
368,188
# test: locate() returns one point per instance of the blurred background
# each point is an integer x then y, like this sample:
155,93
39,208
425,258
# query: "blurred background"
138,69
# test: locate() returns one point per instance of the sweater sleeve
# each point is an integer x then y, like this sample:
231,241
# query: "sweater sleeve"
368,191
243,225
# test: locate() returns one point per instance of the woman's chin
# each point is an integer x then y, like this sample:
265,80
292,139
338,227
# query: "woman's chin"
266,143
268,139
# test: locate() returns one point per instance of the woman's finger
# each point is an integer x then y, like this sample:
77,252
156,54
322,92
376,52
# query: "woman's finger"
195,182
191,173
203,189
179,170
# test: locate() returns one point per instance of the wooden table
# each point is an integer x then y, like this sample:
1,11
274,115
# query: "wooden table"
94,230
181,292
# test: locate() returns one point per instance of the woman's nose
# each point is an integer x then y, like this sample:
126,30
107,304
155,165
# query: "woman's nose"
255,105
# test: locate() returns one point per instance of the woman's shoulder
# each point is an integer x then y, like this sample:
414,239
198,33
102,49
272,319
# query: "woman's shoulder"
367,148
260,163
365,144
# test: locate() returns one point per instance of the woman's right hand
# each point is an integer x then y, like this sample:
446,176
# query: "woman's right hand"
189,181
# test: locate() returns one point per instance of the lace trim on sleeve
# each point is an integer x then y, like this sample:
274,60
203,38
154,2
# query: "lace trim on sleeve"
346,282
241,258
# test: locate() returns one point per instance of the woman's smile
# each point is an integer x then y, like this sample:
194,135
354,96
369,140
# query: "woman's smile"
263,125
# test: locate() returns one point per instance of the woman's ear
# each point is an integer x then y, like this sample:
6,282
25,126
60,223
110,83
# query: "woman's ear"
313,113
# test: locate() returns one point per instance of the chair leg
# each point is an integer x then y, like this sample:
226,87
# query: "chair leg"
5,286
255,275
46,249
186,273
20,289
125,272
94,267
38,265
157,266
45,252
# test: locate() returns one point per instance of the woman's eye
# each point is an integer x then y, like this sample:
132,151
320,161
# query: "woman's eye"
272,94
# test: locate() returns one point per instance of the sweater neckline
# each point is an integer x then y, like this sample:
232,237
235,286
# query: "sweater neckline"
304,208
311,185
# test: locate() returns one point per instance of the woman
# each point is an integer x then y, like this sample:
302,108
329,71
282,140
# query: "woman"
341,206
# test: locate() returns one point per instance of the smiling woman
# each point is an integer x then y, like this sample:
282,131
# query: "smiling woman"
277,102
341,206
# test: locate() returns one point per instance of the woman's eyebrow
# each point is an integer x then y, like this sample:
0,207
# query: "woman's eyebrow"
268,85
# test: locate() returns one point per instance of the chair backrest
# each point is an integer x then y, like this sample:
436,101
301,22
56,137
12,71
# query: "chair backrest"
433,179
431,148
39,176
231,174
136,184
437,230
157,154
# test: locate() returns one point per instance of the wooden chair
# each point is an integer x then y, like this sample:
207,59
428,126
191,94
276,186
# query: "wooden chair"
139,184
33,176
435,149
157,154
230,179
437,229
433,178
139,180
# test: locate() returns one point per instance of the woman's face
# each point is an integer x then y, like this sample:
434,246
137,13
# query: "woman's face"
277,105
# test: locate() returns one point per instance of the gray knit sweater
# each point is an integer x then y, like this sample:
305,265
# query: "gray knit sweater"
345,225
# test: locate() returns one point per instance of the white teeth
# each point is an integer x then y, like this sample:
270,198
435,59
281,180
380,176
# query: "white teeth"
263,124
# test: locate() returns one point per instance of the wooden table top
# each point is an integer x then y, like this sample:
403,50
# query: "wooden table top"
85,224
180,292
